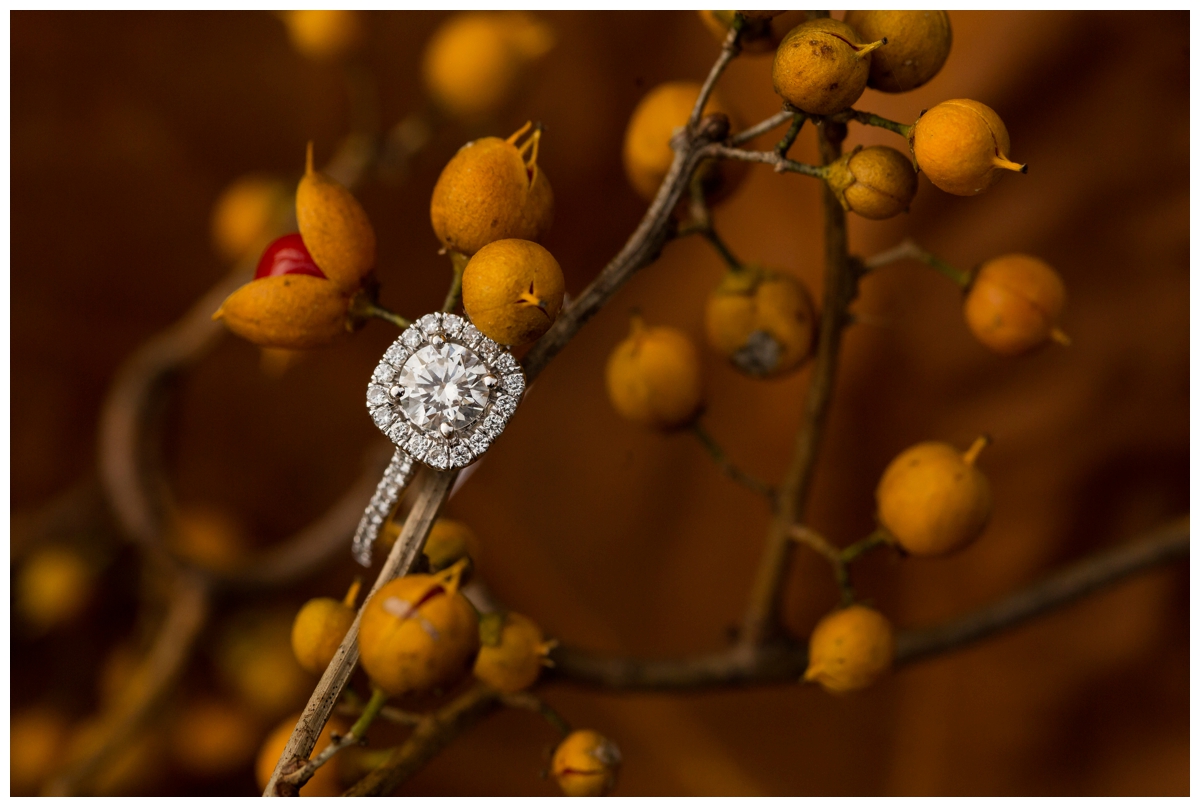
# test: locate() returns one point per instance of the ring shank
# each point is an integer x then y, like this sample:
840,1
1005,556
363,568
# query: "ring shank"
396,477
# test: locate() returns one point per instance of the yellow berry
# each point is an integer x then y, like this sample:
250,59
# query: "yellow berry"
1013,304
586,764
491,190
475,61
512,652
821,66
448,543
918,43
418,633
53,587
324,35
761,320
849,649
320,626
877,182
254,658
212,737
247,214
933,500
653,377
325,782
962,146
335,228
647,152
512,290
36,739
297,312
762,31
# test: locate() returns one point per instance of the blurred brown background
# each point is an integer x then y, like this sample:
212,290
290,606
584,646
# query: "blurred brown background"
126,126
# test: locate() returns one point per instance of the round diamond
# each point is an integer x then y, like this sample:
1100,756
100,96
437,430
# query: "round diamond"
443,384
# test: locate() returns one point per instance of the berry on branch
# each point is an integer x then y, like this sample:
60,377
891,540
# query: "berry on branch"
327,779
962,146
653,377
586,764
821,67
877,182
512,652
918,44
334,227
850,649
761,320
512,290
320,626
1013,304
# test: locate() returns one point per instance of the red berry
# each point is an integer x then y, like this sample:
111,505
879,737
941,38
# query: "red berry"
287,256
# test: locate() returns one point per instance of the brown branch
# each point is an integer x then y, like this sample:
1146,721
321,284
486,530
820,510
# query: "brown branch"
730,48
760,622
785,661
149,684
773,158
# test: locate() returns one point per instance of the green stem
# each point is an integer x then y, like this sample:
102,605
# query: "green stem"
871,119
365,307
873,541
458,263
370,712
907,249
727,467
532,703
785,145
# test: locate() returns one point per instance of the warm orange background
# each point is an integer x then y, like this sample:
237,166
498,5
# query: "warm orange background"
126,126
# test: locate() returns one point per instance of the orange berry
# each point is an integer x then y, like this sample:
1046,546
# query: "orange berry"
334,228
877,182
653,377
821,67
475,61
208,537
586,764
761,320
1013,304
512,290
918,43
298,312
933,500
962,146
53,587
320,626
849,649
491,190
419,633
448,543
254,658
325,782
247,213
324,35
647,152
762,31
211,737
512,652
37,737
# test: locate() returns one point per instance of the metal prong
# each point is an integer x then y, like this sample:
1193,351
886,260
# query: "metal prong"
489,381
436,340
446,429
394,391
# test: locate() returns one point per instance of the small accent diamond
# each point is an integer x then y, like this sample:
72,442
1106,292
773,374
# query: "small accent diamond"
377,395
488,349
399,432
452,324
460,455
384,372
417,446
480,440
470,335
506,363
382,416
514,384
412,337
430,323
437,456
493,424
397,354
506,404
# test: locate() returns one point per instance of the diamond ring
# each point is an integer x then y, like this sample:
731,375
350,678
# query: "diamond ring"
442,393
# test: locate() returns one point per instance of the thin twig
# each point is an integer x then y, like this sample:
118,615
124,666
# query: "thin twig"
871,119
363,306
730,48
355,736
458,262
785,145
908,250
532,703
772,158
760,622
726,465
762,127
783,661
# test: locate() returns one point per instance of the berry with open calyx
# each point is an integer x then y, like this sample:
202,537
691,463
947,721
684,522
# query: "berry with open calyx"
761,320
245,215
762,31
962,146
877,182
653,377
319,628
490,190
295,311
933,499
334,227
287,255
586,764
475,61
327,779
918,44
324,35
1013,304
849,649
647,152
512,290
512,652
821,67
419,633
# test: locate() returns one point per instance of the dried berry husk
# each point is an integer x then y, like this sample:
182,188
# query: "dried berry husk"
335,228
512,290
877,182
647,152
821,66
653,377
918,43
962,146
933,500
418,633
586,764
492,189
1013,304
289,311
763,321
850,649
475,61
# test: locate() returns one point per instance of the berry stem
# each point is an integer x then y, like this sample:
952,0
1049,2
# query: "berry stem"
785,145
1058,336
458,263
908,249
352,595
871,119
972,453
764,126
781,164
730,48
363,306
532,703
726,465
354,737
873,541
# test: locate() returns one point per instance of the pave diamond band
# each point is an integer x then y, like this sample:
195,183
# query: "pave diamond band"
442,393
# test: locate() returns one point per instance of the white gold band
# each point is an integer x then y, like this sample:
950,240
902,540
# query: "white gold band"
395,479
